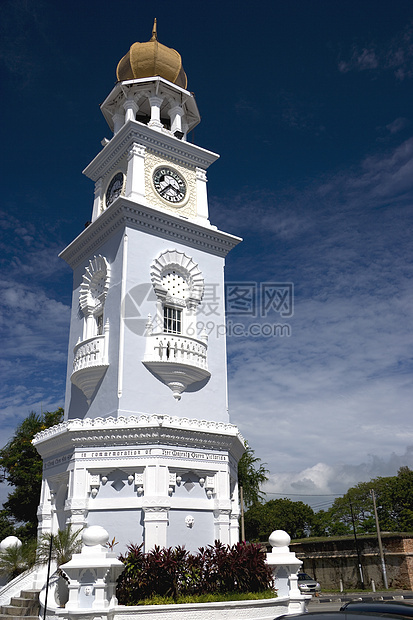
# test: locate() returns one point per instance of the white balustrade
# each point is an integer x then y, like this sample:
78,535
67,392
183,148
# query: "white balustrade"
90,352
90,362
178,361
176,349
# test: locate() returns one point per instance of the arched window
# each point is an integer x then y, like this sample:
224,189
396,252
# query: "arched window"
179,287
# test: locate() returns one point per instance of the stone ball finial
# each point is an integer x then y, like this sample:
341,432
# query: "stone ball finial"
10,541
279,538
95,535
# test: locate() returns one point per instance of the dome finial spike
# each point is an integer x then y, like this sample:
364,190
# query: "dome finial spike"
154,35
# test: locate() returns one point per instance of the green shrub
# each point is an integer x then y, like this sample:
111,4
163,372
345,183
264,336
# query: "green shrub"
174,572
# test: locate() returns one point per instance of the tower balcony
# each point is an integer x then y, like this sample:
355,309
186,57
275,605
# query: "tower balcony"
178,361
90,363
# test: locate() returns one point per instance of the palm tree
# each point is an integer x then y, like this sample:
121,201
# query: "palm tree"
16,559
65,543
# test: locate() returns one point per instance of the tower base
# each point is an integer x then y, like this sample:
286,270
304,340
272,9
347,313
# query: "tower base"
156,479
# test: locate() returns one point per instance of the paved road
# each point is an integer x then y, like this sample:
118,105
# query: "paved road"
326,606
333,602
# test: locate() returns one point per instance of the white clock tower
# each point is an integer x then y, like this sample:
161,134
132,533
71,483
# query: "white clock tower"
146,449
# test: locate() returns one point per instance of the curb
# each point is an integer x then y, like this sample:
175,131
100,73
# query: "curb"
375,596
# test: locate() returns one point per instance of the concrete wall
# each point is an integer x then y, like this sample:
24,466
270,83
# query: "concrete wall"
335,559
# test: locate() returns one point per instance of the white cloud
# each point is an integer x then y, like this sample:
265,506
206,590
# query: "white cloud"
340,387
34,322
320,484
397,125
396,55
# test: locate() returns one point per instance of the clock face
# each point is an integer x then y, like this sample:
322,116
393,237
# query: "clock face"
115,188
169,184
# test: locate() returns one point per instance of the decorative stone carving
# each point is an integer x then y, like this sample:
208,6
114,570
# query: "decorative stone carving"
185,267
139,480
135,431
95,284
189,521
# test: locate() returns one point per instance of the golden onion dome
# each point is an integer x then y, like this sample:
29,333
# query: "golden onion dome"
152,59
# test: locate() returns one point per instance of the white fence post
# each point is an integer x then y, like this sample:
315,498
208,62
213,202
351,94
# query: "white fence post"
285,566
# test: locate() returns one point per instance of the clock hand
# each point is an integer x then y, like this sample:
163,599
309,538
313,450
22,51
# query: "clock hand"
166,188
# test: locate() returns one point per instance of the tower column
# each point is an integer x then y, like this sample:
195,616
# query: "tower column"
131,108
118,121
135,178
175,115
155,121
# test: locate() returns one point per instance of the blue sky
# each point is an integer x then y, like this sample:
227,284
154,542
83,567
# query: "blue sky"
309,104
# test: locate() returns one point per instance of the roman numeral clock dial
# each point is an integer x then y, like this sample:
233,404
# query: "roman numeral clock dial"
170,185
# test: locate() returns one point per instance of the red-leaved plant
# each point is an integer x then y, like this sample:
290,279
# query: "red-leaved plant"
173,572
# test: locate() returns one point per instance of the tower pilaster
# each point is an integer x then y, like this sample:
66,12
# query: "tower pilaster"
135,176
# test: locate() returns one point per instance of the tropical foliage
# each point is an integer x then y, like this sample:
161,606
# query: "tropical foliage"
394,500
174,572
65,543
296,518
21,467
251,475
16,559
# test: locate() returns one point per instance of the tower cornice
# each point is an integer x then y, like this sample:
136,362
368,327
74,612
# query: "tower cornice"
161,143
124,212
140,430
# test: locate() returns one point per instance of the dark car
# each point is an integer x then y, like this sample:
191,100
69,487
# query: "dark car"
307,584
380,607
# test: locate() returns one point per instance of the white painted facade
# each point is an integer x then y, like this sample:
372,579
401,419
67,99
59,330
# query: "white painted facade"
146,449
